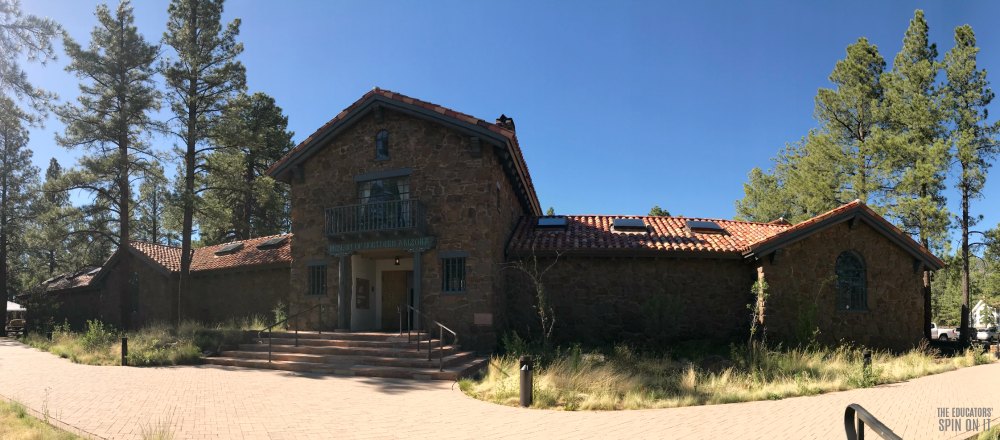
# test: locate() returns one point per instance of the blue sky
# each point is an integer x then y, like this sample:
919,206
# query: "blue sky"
618,105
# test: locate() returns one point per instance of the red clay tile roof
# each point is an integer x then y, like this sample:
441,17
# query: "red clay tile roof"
594,232
167,256
459,116
205,259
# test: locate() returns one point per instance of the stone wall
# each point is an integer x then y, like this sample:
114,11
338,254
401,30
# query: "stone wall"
650,301
802,291
221,295
76,307
469,204
215,296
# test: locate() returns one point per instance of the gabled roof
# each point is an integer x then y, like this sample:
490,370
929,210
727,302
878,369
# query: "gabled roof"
72,280
853,211
594,234
666,235
377,97
167,259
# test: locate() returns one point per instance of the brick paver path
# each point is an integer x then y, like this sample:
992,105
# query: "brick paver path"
209,402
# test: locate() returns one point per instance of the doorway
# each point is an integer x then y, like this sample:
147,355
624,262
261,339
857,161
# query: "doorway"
395,286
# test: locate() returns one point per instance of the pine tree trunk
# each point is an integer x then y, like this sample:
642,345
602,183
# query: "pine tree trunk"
926,273
187,227
124,225
964,320
248,200
3,238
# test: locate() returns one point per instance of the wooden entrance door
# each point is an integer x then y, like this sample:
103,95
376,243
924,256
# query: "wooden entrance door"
394,287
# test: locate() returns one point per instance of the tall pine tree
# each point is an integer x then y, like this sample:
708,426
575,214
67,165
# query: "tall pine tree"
24,37
49,237
243,202
111,117
967,96
200,79
17,177
916,143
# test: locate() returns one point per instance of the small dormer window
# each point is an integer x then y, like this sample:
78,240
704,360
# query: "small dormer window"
382,145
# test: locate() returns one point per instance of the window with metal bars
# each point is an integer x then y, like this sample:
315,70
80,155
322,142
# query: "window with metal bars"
453,275
852,292
317,279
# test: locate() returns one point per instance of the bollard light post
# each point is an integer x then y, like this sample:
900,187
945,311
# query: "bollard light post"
868,359
124,351
526,380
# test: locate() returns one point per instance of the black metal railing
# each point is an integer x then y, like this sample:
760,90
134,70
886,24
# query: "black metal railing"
428,321
396,215
855,419
296,316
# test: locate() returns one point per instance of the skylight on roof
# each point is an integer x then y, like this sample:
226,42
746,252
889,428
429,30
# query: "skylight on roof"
229,248
705,227
552,222
273,242
628,225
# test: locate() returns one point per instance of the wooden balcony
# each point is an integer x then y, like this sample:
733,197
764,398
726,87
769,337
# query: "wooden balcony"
375,220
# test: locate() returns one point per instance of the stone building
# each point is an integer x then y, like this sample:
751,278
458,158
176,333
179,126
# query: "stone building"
845,275
398,202
404,210
232,280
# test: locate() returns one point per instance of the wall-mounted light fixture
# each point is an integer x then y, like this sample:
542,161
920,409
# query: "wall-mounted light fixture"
397,261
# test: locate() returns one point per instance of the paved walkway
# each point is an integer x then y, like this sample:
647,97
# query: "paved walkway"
209,402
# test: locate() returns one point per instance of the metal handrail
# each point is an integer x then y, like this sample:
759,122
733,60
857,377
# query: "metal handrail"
374,216
857,432
284,321
430,337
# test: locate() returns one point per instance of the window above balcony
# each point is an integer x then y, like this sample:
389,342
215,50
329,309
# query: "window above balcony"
384,190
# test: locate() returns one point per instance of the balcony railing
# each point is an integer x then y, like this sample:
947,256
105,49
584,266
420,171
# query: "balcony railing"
375,217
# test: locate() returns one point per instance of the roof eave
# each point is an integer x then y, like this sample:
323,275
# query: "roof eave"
770,245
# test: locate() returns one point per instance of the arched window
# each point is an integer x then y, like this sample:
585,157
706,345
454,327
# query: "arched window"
852,293
382,145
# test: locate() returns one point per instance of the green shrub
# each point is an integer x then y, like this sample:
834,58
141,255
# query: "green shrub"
98,336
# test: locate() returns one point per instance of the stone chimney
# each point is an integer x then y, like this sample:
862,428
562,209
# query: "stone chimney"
506,122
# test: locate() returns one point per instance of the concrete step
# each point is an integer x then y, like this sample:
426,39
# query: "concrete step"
342,361
324,342
449,373
345,336
409,352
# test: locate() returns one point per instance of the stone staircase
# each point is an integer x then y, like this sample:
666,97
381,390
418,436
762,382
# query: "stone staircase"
372,354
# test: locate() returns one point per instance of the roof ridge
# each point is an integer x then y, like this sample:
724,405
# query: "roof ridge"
155,244
666,216
245,240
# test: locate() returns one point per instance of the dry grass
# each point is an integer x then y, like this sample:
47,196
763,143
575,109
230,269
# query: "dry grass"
992,434
156,344
16,424
624,380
